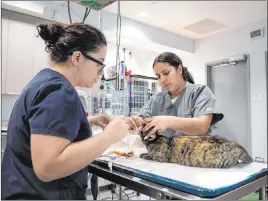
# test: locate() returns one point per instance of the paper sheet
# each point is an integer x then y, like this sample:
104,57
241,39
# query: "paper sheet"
209,178
131,142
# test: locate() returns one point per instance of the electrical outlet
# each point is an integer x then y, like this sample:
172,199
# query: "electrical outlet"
259,159
258,33
256,97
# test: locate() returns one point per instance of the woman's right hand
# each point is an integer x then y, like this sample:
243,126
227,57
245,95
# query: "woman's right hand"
135,122
117,129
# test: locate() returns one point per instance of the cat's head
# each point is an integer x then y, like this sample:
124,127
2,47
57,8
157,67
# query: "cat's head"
151,139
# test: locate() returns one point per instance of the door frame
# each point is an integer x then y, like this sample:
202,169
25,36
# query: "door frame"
208,68
266,78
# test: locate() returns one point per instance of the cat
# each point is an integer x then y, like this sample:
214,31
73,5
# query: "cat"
195,151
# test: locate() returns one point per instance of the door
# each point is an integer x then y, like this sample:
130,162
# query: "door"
230,84
266,66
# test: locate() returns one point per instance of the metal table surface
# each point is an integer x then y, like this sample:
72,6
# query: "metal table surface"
162,192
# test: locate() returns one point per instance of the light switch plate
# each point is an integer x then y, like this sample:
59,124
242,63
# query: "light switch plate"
256,97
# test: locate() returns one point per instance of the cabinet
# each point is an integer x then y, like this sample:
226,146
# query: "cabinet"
19,68
23,53
5,29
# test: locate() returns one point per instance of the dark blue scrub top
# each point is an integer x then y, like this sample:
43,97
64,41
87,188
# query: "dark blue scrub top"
48,105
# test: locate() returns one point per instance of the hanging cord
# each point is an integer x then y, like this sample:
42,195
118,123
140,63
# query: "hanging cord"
53,15
86,14
117,193
69,12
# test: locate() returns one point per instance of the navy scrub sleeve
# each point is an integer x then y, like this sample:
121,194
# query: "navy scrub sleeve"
55,112
48,105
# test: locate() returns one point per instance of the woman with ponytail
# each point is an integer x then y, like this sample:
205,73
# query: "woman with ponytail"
183,108
49,140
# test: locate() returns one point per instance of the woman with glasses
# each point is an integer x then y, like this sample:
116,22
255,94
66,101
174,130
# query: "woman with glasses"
49,141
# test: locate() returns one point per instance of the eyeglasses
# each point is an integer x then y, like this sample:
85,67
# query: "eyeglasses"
92,59
95,60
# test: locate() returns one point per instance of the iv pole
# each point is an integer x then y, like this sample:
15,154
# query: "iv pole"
94,179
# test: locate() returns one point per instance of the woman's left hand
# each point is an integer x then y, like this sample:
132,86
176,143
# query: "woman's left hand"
100,120
160,123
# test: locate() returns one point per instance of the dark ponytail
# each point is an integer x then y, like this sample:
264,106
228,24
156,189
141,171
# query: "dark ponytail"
173,60
187,76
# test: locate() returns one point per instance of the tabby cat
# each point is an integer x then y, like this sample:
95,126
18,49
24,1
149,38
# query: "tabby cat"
195,151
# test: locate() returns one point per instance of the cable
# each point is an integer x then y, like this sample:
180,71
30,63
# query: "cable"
131,193
125,194
69,12
86,14
115,191
53,15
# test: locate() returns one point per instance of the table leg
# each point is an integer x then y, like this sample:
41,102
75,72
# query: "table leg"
94,187
262,194
120,192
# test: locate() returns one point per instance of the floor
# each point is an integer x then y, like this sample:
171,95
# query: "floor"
131,195
128,195
252,196
107,195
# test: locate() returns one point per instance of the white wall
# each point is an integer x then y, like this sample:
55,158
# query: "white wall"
141,60
139,63
237,41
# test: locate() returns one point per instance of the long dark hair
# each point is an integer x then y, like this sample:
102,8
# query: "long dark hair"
173,60
62,41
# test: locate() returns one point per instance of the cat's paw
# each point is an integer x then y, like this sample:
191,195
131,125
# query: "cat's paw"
146,156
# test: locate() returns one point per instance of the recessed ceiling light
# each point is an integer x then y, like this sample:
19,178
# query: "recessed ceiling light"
143,14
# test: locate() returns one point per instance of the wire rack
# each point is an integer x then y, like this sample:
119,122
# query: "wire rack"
140,96
127,101
111,102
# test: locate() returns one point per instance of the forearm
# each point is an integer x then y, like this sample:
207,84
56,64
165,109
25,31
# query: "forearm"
77,155
188,125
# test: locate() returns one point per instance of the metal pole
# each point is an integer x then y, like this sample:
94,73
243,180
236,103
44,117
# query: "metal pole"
94,186
120,192
263,195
